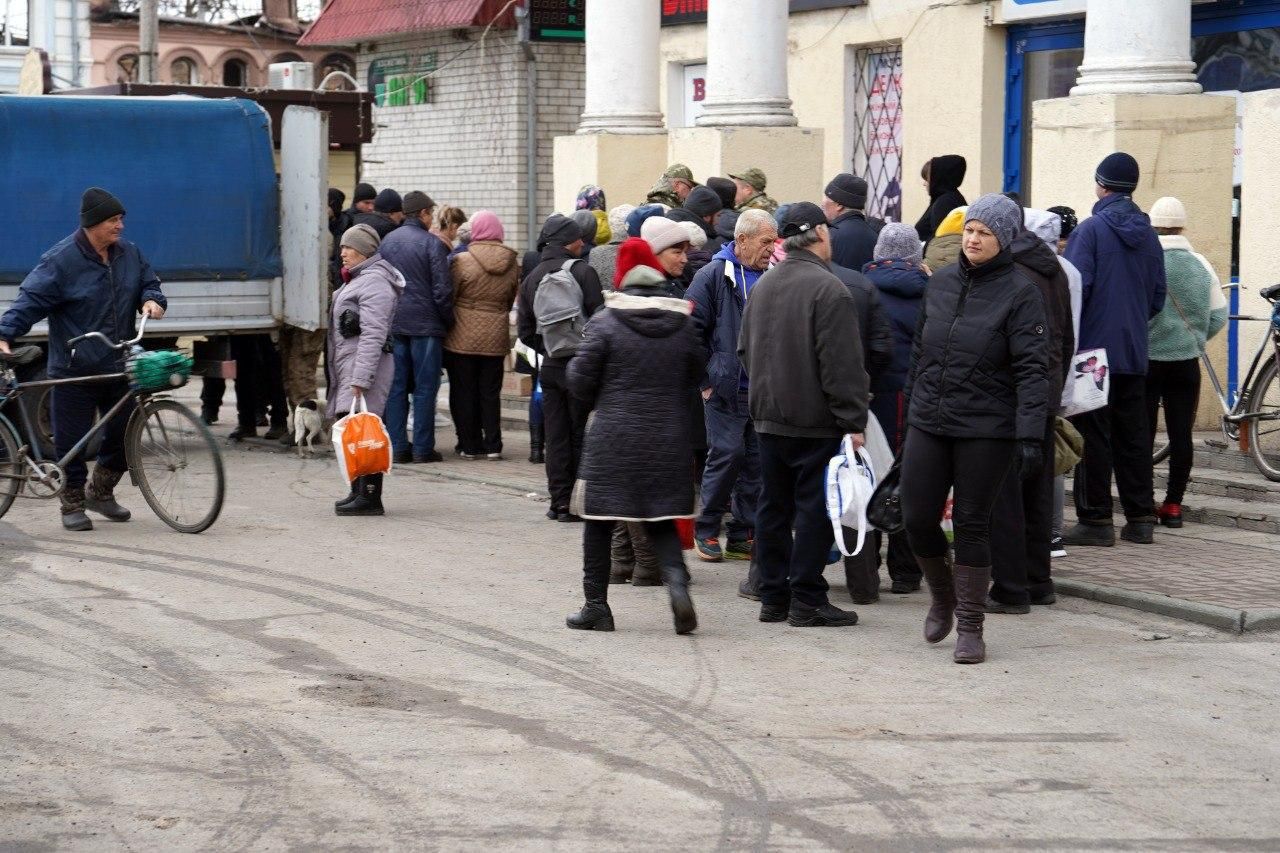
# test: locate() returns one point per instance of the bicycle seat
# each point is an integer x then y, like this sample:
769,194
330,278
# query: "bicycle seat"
1271,294
22,355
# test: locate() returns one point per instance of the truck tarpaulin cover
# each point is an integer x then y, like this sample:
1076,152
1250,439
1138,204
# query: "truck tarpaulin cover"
195,175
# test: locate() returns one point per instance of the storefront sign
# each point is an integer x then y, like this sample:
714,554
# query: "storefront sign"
695,11
695,92
1038,10
400,80
557,20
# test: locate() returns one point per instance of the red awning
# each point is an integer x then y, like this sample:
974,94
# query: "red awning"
347,21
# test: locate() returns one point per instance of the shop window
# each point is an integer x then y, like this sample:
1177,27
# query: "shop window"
235,72
127,68
877,129
182,72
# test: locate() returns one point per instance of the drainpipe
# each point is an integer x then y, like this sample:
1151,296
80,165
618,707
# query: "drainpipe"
75,43
530,128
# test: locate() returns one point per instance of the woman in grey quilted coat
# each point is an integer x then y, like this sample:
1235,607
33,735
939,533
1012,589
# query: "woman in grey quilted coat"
635,367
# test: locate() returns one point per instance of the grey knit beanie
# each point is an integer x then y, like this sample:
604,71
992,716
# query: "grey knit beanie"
587,224
998,213
898,242
362,238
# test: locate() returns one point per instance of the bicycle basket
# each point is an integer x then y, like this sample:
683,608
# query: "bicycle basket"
159,370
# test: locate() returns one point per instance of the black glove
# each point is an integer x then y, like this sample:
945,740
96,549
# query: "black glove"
1030,458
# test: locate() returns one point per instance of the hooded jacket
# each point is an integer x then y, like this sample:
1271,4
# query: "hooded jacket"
801,347
873,325
946,174
485,280
636,368
901,285
1039,264
719,295
363,360
426,310
1121,266
1195,309
553,257
78,293
980,361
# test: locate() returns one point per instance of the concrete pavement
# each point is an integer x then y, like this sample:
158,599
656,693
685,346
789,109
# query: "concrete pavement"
291,680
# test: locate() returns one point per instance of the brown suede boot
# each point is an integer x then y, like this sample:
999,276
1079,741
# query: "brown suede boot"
937,573
971,597
99,495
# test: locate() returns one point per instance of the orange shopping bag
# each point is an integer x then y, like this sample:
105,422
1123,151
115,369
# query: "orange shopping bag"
361,443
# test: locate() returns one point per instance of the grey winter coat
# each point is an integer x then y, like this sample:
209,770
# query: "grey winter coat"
636,367
372,293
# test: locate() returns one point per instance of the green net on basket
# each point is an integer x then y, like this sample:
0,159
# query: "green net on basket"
160,370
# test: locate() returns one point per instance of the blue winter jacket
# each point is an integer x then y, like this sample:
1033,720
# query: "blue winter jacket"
426,305
1122,267
718,300
78,293
901,285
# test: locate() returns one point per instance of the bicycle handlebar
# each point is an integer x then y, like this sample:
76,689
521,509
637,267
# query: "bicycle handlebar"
142,327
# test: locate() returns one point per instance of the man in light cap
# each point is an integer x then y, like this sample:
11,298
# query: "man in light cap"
673,187
1121,264
751,183
802,350
91,281
564,416
853,237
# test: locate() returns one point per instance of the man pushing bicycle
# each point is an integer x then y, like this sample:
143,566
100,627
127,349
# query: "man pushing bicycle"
90,281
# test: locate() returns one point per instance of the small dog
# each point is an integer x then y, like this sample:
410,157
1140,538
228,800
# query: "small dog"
307,426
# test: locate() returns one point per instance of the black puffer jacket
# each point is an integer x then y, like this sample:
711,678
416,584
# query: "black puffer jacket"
946,174
980,361
637,366
1040,265
873,322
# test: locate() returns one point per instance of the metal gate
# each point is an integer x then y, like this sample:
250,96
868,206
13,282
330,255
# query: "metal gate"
877,128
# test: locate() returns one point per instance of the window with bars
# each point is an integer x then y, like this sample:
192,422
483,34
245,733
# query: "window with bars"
877,128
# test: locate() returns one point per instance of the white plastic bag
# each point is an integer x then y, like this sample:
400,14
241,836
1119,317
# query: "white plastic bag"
850,483
877,448
1088,383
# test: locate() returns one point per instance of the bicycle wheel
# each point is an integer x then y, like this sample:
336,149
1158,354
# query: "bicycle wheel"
1264,433
10,466
177,465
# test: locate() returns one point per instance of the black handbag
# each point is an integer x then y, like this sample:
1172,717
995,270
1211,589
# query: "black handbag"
884,510
349,324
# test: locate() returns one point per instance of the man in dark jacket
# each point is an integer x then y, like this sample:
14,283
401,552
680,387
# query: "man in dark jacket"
704,204
853,237
1122,267
943,176
800,346
564,416
423,316
1022,518
388,213
873,323
731,478
90,281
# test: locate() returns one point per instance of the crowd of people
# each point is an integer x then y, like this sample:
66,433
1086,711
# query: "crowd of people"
700,356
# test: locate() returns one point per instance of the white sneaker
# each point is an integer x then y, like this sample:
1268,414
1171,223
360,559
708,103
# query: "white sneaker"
1056,548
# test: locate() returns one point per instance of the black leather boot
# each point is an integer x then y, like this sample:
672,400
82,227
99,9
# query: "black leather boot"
536,444
351,496
676,577
368,500
971,598
750,588
99,496
73,517
937,573
595,614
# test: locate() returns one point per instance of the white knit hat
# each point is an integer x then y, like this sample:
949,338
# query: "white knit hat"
1168,212
661,233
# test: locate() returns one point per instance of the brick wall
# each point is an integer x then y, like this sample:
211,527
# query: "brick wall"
466,145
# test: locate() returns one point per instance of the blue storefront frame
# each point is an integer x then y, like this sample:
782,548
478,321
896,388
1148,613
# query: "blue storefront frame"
1224,17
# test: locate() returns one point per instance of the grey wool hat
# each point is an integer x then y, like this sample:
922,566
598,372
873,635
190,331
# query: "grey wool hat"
998,213
898,242
415,202
363,239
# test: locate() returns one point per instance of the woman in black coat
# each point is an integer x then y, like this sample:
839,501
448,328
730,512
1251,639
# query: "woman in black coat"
635,367
943,175
978,395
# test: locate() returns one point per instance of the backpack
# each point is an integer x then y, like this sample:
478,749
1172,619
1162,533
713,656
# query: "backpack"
557,307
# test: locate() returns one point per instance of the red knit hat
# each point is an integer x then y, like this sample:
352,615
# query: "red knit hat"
634,252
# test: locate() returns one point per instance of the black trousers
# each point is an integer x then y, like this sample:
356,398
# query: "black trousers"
1117,439
890,409
259,380
931,466
1177,385
1021,531
74,409
597,547
564,420
793,498
475,401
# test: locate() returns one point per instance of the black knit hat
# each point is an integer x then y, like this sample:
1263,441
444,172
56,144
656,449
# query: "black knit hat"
726,189
388,201
703,202
558,230
848,191
1118,172
97,205
364,192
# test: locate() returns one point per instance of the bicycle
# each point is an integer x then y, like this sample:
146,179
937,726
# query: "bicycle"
173,458
1258,405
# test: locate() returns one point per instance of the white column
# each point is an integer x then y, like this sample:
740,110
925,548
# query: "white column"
1137,47
622,67
747,65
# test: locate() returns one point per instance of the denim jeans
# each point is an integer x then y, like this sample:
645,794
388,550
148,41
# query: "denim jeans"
731,478
418,361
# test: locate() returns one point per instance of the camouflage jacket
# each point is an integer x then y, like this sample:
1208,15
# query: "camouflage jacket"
759,201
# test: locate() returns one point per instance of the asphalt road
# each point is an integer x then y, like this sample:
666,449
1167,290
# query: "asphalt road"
294,681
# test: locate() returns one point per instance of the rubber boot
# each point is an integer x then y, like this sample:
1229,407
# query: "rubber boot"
971,598
351,496
676,577
100,497
937,574
536,444
595,614
368,500
73,517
